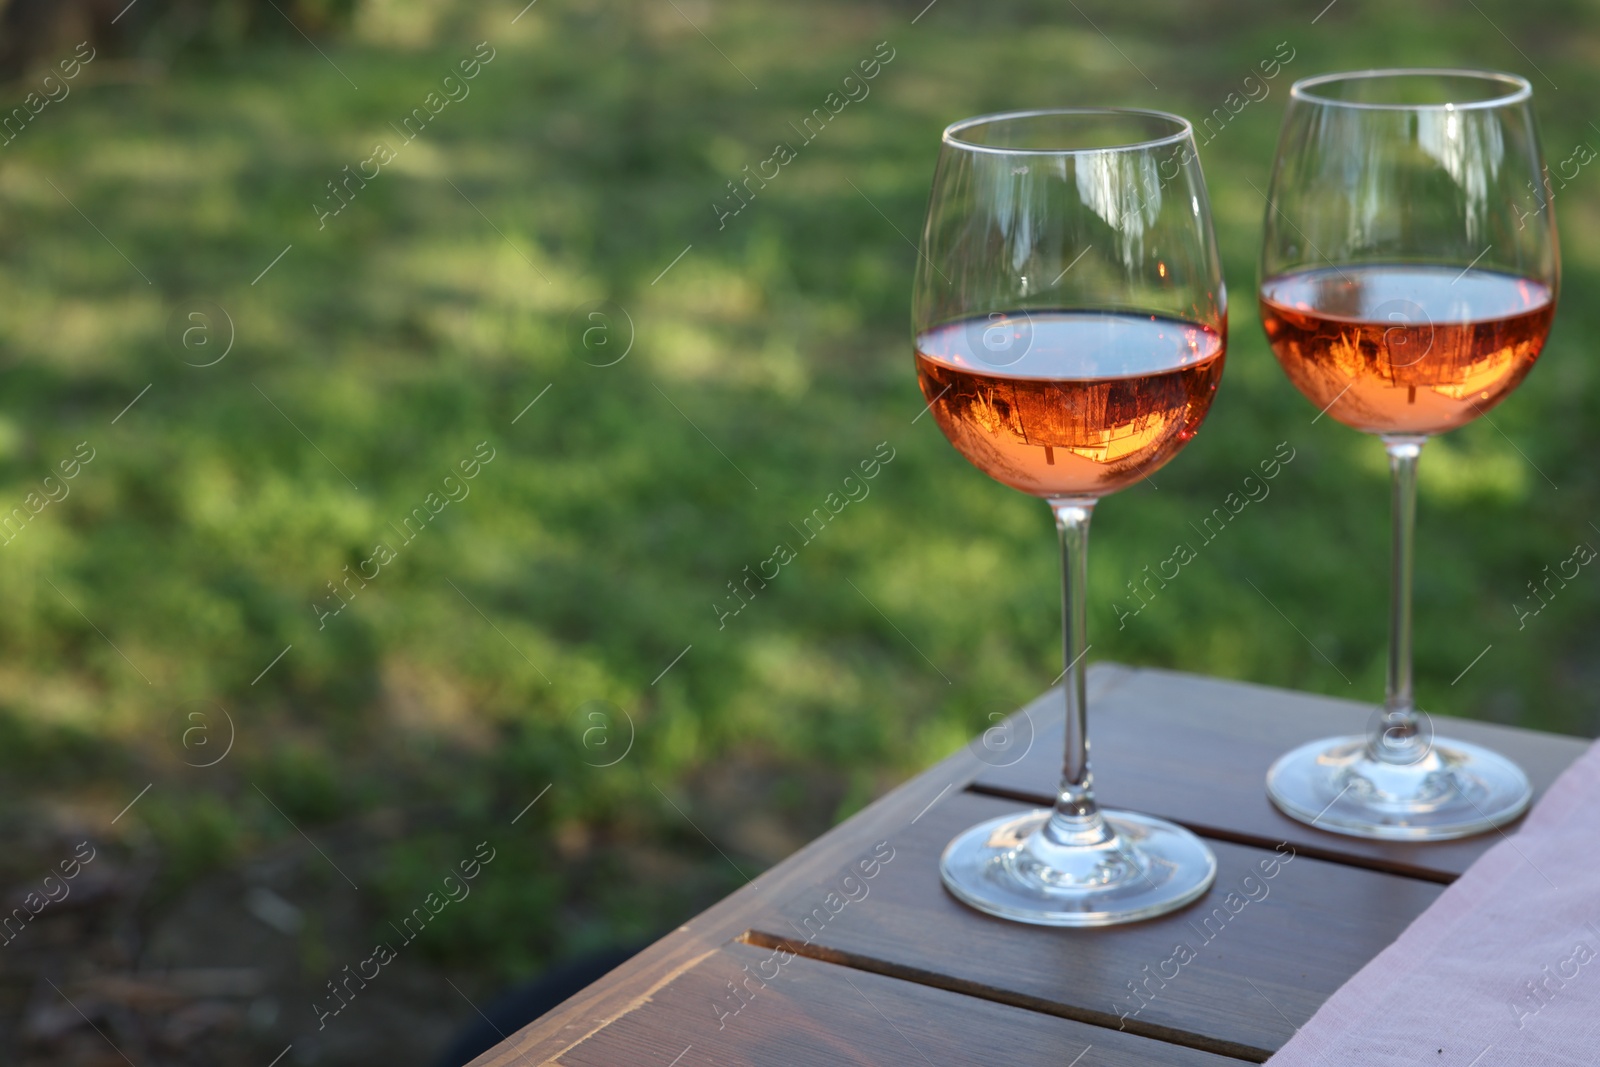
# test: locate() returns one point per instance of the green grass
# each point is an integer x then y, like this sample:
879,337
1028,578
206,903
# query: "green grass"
591,550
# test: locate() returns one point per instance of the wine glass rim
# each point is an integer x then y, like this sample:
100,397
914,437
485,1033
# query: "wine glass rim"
952,132
1520,89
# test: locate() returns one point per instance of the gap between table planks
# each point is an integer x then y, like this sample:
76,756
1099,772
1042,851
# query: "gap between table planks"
1191,748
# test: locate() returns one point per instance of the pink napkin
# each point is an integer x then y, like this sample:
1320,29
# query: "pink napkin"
1503,969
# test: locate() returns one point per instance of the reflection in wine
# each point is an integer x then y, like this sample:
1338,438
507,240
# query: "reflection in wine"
1093,402
1405,349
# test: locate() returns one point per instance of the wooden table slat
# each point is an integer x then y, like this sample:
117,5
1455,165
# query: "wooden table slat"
1196,750
1262,960
813,1014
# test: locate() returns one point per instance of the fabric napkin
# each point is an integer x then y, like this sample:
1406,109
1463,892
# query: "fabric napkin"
1502,969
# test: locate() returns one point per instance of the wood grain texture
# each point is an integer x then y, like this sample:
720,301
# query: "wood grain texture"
813,1014
1262,960
1196,750
1192,749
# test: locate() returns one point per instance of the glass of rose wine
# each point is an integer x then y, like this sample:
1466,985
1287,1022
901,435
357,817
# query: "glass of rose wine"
1070,322
1409,274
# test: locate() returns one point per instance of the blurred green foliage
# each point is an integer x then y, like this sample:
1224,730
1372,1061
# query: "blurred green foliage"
389,340
34,34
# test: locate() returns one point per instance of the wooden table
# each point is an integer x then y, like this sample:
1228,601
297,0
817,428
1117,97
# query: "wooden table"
851,952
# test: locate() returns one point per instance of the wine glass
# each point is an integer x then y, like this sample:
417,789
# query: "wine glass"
1070,322
1409,273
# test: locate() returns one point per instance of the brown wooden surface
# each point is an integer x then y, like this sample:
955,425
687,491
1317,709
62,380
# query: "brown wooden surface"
820,1015
959,983
1313,925
1196,750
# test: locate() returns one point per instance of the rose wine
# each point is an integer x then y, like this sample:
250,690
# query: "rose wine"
1405,349
1069,404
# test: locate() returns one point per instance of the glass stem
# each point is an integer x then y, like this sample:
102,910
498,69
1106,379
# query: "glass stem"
1076,820
1398,736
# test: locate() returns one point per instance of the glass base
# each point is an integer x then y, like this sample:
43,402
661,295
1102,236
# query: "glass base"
1114,867
1454,789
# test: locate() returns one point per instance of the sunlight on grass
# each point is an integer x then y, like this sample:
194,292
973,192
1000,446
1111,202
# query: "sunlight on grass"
1467,471
415,324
